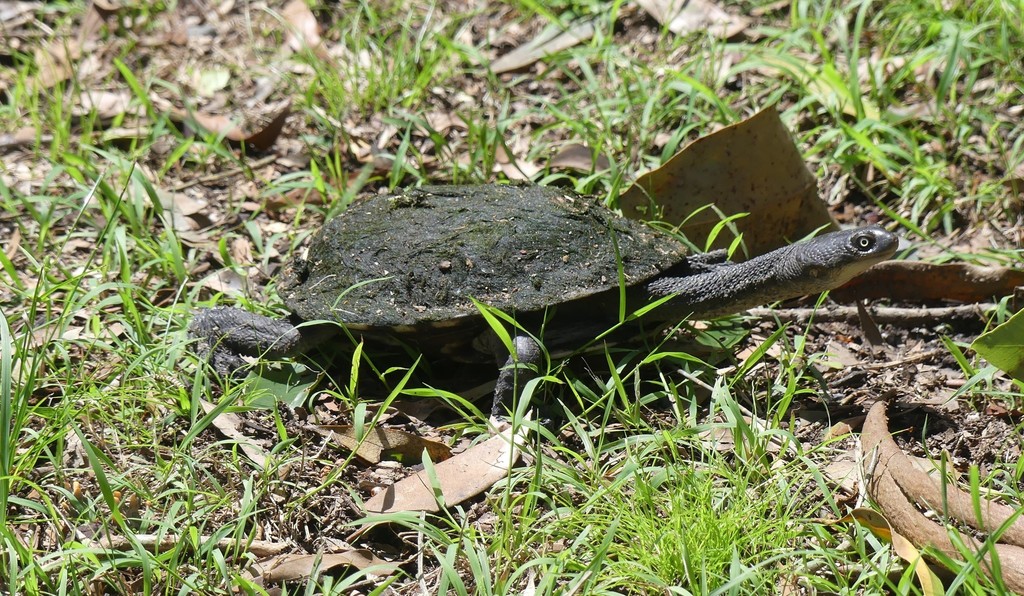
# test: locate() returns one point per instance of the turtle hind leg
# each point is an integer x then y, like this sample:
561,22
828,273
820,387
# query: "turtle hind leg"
223,335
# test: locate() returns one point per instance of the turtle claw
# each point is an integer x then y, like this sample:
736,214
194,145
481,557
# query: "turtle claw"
227,364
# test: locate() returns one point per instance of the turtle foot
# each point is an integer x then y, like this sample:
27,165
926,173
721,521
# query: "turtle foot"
223,335
516,372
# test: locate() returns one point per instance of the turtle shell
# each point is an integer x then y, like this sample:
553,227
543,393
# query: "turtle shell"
416,259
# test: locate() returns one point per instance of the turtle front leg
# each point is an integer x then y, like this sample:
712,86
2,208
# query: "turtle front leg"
225,334
516,372
708,261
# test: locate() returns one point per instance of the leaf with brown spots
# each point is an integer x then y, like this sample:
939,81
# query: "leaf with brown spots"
750,167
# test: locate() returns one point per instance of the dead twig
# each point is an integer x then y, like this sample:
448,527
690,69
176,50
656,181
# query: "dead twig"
163,542
228,173
890,315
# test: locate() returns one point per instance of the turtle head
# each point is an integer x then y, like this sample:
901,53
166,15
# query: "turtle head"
831,260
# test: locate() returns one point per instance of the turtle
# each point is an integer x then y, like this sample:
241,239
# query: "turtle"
421,266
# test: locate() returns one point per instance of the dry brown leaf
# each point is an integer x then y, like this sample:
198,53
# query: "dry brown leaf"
261,139
378,443
294,198
550,41
579,157
229,424
75,332
22,136
877,524
926,491
895,485
689,16
442,122
106,104
844,474
187,213
515,170
223,281
462,477
907,280
55,62
12,244
303,30
241,251
842,428
182,203
297,567
751,167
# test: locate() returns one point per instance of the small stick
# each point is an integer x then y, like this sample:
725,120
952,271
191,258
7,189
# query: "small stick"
891,315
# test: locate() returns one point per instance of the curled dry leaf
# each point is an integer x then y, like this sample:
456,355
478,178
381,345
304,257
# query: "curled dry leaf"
949,500
907,280
842,428
898,488
261,139
750,167
506,163
877,524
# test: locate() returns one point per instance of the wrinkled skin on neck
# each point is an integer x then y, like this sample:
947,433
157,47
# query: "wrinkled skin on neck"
808,267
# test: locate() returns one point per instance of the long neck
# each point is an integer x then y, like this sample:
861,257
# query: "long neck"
730,288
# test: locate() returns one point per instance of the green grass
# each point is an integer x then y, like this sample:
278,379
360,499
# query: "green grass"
909,109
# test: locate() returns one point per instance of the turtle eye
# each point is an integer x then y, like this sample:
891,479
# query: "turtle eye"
864,242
